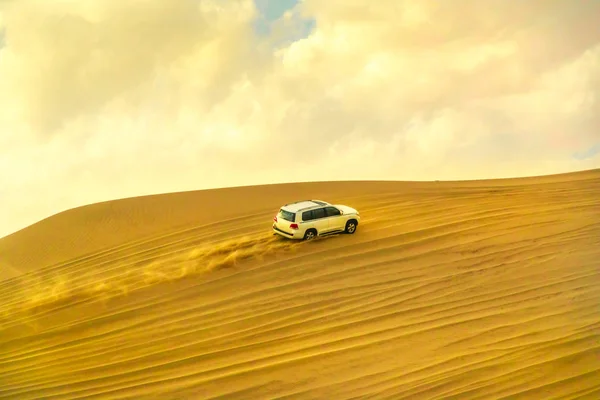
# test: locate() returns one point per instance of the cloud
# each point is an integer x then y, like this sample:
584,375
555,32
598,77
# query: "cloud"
105,99
588,153
71,59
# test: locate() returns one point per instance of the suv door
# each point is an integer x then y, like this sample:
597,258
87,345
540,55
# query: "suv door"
316,218
320,220
307,220
335,219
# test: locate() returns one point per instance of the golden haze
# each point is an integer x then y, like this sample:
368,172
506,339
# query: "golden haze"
453,289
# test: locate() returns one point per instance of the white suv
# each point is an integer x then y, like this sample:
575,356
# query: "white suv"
308,219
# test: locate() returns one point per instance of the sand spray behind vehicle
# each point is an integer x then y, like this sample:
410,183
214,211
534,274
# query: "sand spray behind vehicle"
32,294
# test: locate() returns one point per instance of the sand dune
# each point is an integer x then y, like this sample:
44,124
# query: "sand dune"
454,290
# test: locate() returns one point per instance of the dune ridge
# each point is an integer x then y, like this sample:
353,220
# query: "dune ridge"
470,290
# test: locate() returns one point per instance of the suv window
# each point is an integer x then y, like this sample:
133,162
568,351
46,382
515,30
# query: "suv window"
318,213
332,211
307,216
288,216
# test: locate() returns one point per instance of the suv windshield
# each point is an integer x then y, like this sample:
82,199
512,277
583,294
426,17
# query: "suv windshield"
288,216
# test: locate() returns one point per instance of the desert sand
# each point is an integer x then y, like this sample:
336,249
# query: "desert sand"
454,290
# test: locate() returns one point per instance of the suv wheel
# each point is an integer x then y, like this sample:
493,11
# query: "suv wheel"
310,234
351,226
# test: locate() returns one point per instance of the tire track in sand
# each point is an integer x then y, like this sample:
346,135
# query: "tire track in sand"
457,293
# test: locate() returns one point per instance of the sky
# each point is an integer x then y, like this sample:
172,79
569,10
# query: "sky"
105,99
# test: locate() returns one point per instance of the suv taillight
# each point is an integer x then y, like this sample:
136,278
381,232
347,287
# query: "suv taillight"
294,226
275,218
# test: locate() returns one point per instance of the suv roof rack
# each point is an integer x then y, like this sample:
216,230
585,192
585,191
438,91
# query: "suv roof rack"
295,202
320,202
308,208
